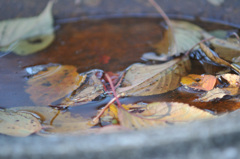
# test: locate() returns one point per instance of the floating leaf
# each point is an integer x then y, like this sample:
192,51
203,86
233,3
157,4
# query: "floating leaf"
57,122
54,83
144,80
218,93
199,82
161,113
92,88
216,59
29,30
18,124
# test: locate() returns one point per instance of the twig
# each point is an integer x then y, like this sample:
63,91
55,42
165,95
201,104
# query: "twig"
113,89
204,40
95,119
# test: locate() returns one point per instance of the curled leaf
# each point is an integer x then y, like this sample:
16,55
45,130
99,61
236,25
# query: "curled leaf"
39,27
144,80
160,114
91,89
54,83
18,123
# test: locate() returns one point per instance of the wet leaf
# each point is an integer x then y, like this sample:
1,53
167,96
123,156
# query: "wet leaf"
218,93
144,80
162,114
57,122
91,89
216,59
54,83
12,32
199,82
18,124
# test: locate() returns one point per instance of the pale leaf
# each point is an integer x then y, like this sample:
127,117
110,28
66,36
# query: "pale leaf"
144,80
57,122
161,114
27,35
216,93
18,124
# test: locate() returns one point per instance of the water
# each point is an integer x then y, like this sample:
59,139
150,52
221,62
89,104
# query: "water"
84,44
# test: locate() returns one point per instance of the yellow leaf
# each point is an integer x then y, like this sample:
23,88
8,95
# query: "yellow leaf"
54,83
18,123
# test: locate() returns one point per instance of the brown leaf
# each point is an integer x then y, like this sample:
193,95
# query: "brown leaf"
162,113
144,80
18,123
214,94
57,122
199,82
91,89
53,84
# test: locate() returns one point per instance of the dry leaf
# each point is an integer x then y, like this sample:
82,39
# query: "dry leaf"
18,123
92,88
199,82
215,93
11,31
162,113
54,83
56,122
144,80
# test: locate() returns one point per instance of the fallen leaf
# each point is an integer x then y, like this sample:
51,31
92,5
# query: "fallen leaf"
18,124
13,31
91,89
218,93
111,129
199,82
216,59
144,80
57,122
162,114
54,83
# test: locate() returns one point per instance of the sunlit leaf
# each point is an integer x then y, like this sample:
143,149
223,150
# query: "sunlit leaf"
199,82
54,83
91,89
144,80
160,114
57,122
13,31
18,123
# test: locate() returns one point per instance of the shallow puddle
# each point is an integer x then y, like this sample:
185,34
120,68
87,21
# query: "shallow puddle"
107,44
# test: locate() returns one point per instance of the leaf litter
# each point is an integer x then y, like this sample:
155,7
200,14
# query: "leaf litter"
64,84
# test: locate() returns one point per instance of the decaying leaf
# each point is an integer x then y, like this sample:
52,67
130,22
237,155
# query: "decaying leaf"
199,82
54,83
144,80
91,89
27,35
18,123
57,122
160,114
218,93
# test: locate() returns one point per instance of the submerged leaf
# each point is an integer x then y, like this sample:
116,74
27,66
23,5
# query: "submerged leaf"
57,122
91,89
54,83
18,124
11,31
162,113
199,82
144,80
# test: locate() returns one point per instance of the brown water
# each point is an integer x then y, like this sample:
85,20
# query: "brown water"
83,44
